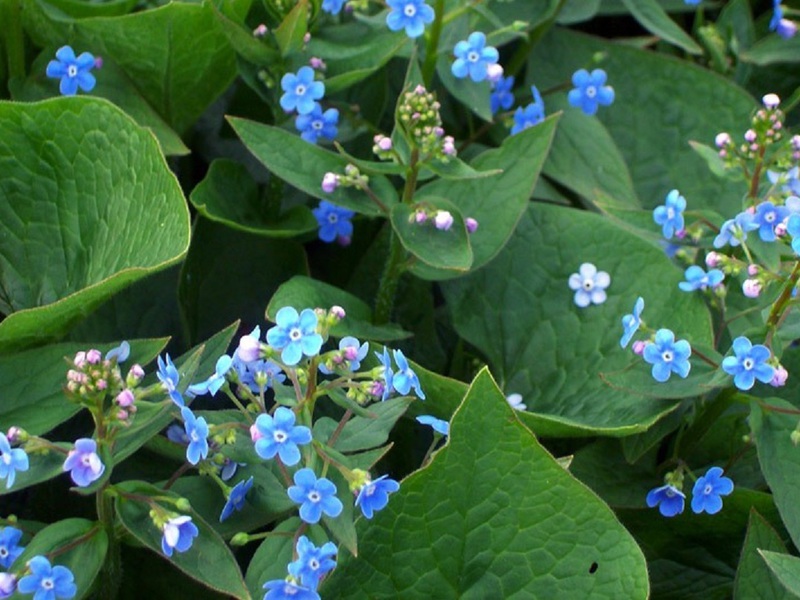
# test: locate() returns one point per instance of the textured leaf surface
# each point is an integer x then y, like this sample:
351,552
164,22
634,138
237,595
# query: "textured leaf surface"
753,577
786,568
492,516
653,17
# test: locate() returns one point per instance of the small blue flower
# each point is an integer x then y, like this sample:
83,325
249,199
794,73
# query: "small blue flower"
589,285
197,431
317,124
767,217
280,589
590,90
749,364
388,374
333,7
502,96
47,582
438,425
312,562
266,371
405,378
708,489
668,356
279,435
374,495
669,499
793,227
734,231
11,461
315,496
789,181
670,215
334,221
120,353
83,463
529,116
295,335
698,279
177,434
352,353
411,15
236,498
301,91
73,72
178,534
631,323
213,383
9,546
473,57
692,2
168,376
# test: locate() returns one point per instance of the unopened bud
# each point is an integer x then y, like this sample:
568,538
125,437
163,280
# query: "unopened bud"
330,182
722,140
638,347
471,225
771,101
443,220
780,377
751,288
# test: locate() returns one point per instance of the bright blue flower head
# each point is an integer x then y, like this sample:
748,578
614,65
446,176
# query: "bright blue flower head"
266,371
315,496
73,72
502,96
388,374
405,378
734,231
213,383
280,589
531,115
236,498
11,461
670,215
669,499
698,279
589,285
708,489
120,353
767,217
438,425
47,582
197,432
411,15
279,435
9,546
83,463
749,364
301,91
668,356
178,534
631,323
168,376
334,221
333,7
793,227
352,353
473,57
317,124
312,562
590,90
374,496
295,335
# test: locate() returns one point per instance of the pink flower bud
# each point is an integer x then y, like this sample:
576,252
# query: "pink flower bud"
122,415
723,153
385,143
420,216
98,62
754,147
438,131
448,146
771,101
344,240
102,384
494,73
307,37
780,229
255,434
780,377
316,63
136,372
722,140
751,288
750,135
13,434
351,353
752,270
260,31
125,398
420,90
249,349
80,359
443,220
680,234
471,225
795,142
638,347
337,311
712,259
93,356
330,182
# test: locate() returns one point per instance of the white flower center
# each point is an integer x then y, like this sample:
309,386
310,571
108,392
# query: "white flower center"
280,436
409,10
295,334
313,564
667,356
86,459
769,217
317,124
3,551
591,91
314,496
72,71
300,90
194,435
588,285
473,56
748,363
333,218
670,213
707,490
670,493
47,583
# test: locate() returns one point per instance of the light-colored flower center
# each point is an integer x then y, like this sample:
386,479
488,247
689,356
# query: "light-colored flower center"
410,10
313,564
317,124
588,285
300,90
708,489
670,213
314,496
295,334
47,583
667,356
769,217
591,91
194,435
473,56
86,459
280,436
333,218
670,493
72,71
6,457
3,551
748,363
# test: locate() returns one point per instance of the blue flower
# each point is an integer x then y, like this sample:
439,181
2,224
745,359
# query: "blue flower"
589,285
767,217
411,15
668,498
793,227
280,589
279,435
670,216
668,356
473,57
749,364
47,582
300,91
236,498
261,373
120,353
352,353
405,378
213,383
631,323
168,376
73,72
708,489
529,116
177,434
315,496
312,562
734,231
11,461
178,534
295,335
388,374
789,181
698,279
502,96
374,495
9,546
692,2
197,431
317,124
333,7
590,90
334,221
83,463
438,425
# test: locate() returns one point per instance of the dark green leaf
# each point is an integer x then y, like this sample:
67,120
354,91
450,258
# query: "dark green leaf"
653,18
753,577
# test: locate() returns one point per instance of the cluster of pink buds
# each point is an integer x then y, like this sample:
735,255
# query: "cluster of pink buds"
352,177
442,219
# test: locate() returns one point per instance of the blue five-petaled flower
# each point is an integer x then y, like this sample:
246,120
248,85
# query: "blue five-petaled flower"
668,356
502,96
670,215
590,90
295,334
529,116
749,364
236,498
708,489
282,589
631,322
9,546
197,432
168,376
388,374
279,435
734,231
73,71
793,227
767,217
315,496
318,124
301,91
669,499
213,383
312,562
334,221
411,15
473,57
374,495
698,279
11,461
405,378
47,582
178,534
83,463
589,285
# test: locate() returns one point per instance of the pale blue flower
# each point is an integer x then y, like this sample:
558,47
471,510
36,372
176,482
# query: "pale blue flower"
197,432
668,356
295,335
670,215
279,435
301,91
11,461
73,72
47,582
734,231
405,378
411,15
531,115
698,279
590,90
438,425
669,499
178,534
473,57
83,463
374,495
589,285
749,364
312,562
315,496
631,322
236,498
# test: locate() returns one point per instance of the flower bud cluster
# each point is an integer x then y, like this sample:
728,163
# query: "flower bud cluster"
352,177
442,219
419,116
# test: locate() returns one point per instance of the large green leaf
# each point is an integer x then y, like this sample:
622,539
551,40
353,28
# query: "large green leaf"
653,18
786,568
492,516
753,577
773,49
87,206
520,312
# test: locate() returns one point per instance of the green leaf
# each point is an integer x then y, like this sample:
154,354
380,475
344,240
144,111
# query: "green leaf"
291,31
42,466
362,433
753,578
491,491
786,568
519,311
577,11
81,9
715,164
448,250
772,49
455,168
246,45
208,561
303,165
653,18
67,247
475,96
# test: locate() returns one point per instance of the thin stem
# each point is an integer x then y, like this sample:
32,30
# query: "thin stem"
753,193
181,470
335,435
704,358
784,298
377,201
432,48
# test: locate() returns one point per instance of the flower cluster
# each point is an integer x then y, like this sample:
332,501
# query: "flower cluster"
37,576
418,114
301,92
706,493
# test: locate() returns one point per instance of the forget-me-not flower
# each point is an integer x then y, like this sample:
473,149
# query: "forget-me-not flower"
793,227
168,376
670,215
334,221
197,432
590,90
279,435
708,489
213,383
502,96
631,322
315,496
531,115
783,27
333,7
9,546
668,356
405,378
789,180
236,498
83,463
47,582
281,589
11,461
374,495
312,562
317,124
438,425
120,353
749,364
669,499
411,15
74,72
767,217
352,353
388,374
734,231
698,279
178,534
295,335
589,285
473,57
301,91
515,402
